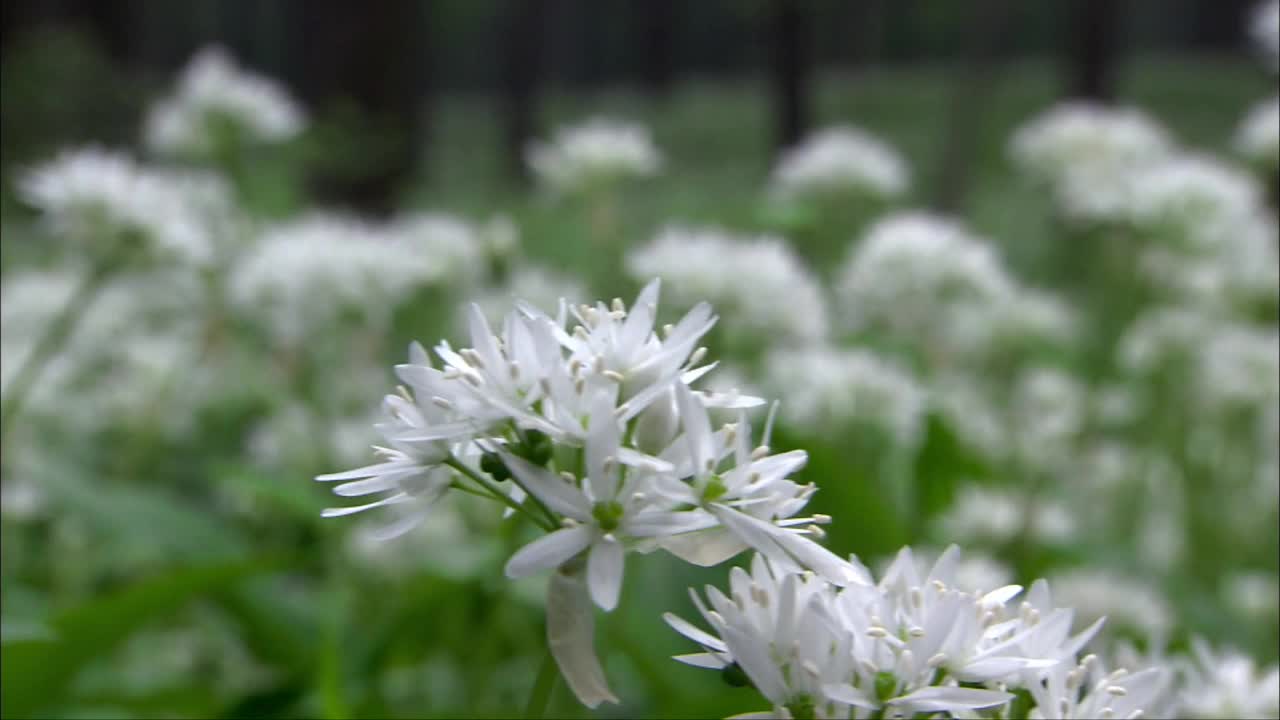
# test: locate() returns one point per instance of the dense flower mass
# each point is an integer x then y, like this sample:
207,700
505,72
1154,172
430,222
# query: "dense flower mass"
1079,133
594,154
1258,138
84,192
761,280
912,643
587,423
214,91
841,161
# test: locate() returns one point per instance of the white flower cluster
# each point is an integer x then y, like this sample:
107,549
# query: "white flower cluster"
913,265
912,643
1188,197
760,280
304,273
1227,685
211,90
597,153
1229,365
828,388
586,423
1074,134
927,283
841,161
1264,29
91,194
1258,139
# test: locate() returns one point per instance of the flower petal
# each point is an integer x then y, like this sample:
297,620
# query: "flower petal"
571,639
605,564
548,551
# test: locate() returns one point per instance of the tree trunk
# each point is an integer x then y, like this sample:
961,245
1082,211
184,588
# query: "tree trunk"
655,24
989,23
1092,48
521,41
789,43
364,59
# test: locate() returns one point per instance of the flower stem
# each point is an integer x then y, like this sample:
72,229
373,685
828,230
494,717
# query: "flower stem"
542,687
54,337
497,494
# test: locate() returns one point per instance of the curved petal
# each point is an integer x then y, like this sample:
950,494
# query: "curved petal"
605,564
571,639
548,551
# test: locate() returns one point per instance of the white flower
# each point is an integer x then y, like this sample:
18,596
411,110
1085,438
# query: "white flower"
213,89
1076,134
911,269
455,248
760,281
1264,29
1253,594
90,194
1240,368
995,515
900,647
538,286
1121,598
1185,199
827,388
1258,138
1227,685
1084,692
303,275
596,153
841,160
1239,267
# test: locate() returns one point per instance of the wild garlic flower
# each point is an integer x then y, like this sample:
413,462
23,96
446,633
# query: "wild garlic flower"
1238,267
1185,198
925,281
536,285
1227,684
595,154
1084,691
214,90
828,388
456,248
1124,600
1074,134
760,282
912,643
1264,30
998,516
306,273
1258,138
91,194
593,432
841,161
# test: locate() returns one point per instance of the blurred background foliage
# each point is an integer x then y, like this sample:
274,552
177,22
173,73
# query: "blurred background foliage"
169,564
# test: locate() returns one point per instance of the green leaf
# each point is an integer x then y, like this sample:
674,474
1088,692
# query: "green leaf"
37,673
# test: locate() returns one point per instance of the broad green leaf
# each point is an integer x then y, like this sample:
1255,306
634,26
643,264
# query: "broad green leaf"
36,673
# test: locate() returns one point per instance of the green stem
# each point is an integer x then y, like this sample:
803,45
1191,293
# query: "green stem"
542,687
54,337
496,492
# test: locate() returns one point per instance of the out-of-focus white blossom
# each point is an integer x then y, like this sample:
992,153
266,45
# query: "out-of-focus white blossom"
1121,598
597,153
1078,134
1227,684
992,515
841,161
456,249
1186,198
912,270
1258,138
306,273
212,90
1264,30
1256,595
759,282
827,388
539,286
93,196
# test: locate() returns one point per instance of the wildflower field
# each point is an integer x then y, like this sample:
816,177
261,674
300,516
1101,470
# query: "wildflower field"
266,457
